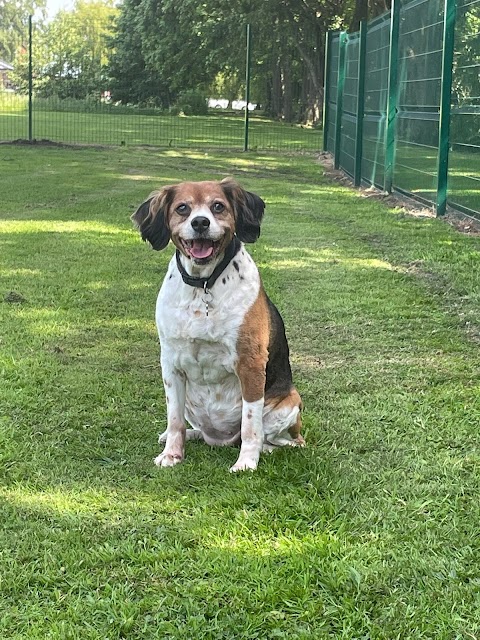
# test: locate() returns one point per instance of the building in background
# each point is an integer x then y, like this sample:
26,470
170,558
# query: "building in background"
5,69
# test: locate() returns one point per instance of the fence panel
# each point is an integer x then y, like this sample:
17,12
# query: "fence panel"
376,88
71,104
419,91
350,99
419,104
464,164
13,107
334,52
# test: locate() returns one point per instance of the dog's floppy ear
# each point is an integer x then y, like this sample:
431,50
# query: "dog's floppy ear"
151,218
248,209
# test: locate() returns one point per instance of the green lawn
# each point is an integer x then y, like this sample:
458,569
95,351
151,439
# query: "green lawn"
370,532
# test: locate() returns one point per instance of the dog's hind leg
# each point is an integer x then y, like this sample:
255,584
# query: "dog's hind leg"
282,421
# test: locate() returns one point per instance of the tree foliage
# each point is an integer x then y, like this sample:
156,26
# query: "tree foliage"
14,25
154,52
70,52
163,48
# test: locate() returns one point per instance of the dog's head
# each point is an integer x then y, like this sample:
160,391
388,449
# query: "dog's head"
200,217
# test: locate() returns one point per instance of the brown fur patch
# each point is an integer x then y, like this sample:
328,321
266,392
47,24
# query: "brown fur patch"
197,194
252,349
292,399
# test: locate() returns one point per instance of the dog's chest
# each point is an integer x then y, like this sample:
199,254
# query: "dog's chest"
198,332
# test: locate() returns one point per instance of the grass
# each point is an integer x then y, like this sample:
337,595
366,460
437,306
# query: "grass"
372,531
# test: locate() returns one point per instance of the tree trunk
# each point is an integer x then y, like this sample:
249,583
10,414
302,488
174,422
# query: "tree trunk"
361,13
314,65
287,90
276,89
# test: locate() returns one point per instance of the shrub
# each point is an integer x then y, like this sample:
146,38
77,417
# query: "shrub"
192,103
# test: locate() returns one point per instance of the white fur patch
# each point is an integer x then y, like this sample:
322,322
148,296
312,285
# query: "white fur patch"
204,348
252,436
277,422
215,230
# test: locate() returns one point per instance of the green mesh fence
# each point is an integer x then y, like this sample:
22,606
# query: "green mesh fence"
331,105
64,110
375,108
13,106
407,91
349,110
420,49
464,174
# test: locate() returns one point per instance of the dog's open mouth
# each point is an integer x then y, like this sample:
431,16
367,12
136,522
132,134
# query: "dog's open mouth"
201,248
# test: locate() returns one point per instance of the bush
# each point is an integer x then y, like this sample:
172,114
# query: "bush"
192,103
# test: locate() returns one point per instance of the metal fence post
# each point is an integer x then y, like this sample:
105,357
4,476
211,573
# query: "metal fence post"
445,105
342,41
30,81
392,96
247,85
362,50
326,88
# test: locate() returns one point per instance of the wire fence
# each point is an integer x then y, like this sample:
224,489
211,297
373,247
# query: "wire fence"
464,185
61,111
403,102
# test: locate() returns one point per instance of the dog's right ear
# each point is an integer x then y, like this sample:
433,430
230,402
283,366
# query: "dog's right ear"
151,218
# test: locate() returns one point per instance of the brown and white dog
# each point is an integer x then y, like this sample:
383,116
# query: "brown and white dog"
224,354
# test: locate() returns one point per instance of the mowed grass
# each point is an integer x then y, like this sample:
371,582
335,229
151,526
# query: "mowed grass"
371,531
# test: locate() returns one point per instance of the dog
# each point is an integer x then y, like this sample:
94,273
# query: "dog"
224,354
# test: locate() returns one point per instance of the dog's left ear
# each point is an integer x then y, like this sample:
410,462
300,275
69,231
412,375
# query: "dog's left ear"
248,209
151,218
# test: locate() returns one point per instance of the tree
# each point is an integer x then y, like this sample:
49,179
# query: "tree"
130,80
70,52
366,10
14,25
162,48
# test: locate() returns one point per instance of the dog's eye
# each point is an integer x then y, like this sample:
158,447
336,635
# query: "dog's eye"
183,209
218,207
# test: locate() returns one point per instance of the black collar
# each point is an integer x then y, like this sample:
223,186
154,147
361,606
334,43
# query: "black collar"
207,283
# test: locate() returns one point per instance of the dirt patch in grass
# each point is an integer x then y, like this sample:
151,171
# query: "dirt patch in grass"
43,142
14,298
462,223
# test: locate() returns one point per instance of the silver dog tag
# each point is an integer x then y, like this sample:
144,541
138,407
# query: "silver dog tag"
207,292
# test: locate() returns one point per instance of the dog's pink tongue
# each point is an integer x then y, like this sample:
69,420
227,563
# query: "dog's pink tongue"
201,249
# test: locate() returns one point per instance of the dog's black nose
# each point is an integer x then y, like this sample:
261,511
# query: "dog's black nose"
200,223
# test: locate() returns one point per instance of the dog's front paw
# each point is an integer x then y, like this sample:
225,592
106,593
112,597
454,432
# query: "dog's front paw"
168,459
244,464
